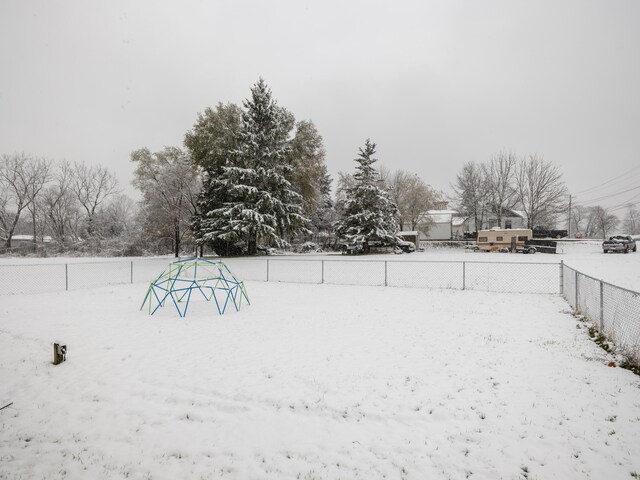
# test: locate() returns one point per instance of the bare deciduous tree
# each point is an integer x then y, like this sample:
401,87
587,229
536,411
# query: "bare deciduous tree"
471,193
412,196
42,175
91,186
632,220
22,177
61,206
540,190
115,218
170,185
600,222
499,173
579,215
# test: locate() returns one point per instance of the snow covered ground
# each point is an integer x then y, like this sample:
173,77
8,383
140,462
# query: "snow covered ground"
311,382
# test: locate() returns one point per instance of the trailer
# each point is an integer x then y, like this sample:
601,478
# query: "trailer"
505,240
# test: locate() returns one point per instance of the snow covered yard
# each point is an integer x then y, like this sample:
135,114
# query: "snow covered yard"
311,382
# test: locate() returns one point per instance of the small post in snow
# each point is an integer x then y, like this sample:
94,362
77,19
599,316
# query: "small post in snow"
561,277
322,279
131,271
267,269
66,276
59,353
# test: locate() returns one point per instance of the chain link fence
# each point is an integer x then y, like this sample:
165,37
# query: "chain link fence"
457,275
508,277
614,311
54,277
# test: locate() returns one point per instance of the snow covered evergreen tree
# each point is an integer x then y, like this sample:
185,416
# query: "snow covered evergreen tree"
258,201
368,211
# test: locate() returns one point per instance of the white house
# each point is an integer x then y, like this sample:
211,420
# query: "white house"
441,224
510,219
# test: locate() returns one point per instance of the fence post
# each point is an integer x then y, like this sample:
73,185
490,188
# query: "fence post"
576,297
66,276
322,280
385,273
561,277
601,307
131,271
464,275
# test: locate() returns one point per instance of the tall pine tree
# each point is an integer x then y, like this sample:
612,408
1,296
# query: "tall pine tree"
368,211
259,203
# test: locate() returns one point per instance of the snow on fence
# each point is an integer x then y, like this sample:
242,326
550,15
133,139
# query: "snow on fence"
613,310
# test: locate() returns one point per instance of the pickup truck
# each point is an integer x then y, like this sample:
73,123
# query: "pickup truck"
544,232
619,243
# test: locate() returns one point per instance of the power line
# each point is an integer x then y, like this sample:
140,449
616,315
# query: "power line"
625,205
624,174
605,197
614,188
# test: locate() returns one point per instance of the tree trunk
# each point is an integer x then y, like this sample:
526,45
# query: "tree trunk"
35,231
176,231
252,246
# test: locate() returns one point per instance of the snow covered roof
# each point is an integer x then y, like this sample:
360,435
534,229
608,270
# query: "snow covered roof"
438,212
441,217
457,221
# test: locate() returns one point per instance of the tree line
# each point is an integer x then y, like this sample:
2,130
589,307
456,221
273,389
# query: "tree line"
246,177
66,201
252,176
535,187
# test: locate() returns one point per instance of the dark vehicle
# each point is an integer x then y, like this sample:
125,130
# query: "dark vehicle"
405,247
619,243
543,245
544,232
355,247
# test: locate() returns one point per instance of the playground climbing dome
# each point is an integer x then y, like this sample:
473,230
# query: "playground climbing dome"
210,279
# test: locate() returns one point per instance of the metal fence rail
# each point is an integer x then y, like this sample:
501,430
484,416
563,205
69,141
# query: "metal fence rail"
614,311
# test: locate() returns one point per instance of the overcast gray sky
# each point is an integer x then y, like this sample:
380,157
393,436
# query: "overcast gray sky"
433,83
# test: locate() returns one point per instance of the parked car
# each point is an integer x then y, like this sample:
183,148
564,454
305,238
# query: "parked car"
354,247
619,243
405,247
